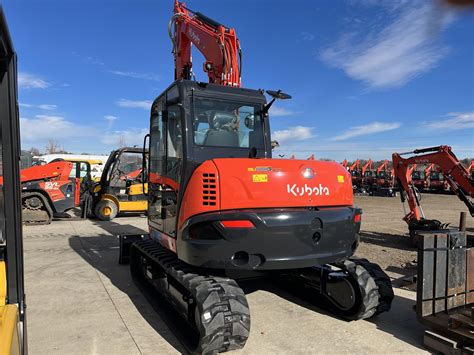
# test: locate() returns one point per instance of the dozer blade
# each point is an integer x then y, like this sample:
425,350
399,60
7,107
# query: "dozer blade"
125,242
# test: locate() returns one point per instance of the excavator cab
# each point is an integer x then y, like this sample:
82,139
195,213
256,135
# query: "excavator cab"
224,122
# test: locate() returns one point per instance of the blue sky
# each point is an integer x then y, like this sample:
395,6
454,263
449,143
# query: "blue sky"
367,77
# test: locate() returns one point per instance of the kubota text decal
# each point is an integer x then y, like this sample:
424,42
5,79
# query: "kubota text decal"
296,190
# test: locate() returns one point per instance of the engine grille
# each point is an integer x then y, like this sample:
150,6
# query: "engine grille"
209,189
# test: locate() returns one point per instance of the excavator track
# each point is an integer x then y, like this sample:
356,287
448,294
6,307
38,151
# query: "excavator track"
353,289
376,293
214,306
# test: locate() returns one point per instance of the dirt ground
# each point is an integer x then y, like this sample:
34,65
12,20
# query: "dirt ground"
384,235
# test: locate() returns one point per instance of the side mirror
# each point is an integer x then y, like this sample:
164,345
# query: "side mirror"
249,121
275,144
278,94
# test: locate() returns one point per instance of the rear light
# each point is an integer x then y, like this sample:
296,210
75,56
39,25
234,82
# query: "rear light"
357,218
238,224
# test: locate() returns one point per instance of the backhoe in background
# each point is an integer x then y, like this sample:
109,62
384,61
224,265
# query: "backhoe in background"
455,174
220,209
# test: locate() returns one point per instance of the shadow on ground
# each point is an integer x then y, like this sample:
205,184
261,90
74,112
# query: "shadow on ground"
101,252
387,240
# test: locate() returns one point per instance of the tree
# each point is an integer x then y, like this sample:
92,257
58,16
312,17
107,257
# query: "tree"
34,151
52,146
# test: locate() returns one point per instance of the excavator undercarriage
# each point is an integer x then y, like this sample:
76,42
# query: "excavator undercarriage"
216,307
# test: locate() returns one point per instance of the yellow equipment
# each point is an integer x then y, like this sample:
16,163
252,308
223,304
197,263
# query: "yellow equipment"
12,298
123,186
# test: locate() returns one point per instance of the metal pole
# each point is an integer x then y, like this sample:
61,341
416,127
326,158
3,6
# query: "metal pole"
462,221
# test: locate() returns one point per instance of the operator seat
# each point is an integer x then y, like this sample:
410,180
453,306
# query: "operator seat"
223,131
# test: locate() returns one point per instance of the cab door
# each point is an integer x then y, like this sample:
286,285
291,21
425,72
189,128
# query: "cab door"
157,161
173,168
166,157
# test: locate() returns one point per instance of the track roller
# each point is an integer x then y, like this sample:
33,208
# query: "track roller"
214,306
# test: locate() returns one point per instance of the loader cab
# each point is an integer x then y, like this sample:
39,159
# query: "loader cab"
191,123
122,168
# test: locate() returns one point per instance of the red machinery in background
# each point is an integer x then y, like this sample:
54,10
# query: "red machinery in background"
50,190
384,175
470,169
356,176
456,175
436,181
368,174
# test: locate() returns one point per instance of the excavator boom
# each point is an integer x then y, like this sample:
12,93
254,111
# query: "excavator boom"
218,44
454,172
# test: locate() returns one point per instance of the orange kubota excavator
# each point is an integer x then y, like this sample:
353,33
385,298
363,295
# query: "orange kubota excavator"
384,175
456,175
220,209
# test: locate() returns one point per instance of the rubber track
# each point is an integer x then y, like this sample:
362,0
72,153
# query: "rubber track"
223,309
375,287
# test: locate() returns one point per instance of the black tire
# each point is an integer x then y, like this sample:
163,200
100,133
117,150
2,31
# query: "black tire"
374,293
106,210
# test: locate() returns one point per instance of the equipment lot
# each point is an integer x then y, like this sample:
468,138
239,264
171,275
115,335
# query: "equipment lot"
81,301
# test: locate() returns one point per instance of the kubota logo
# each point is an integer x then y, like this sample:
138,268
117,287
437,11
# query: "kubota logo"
296,190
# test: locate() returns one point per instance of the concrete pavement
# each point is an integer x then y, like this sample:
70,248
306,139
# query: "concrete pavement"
80,301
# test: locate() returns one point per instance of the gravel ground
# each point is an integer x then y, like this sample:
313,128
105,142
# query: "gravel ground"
384,235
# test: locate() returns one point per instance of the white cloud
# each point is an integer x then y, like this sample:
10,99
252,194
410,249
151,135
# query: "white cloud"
110,118
144,104
371,128
72,134
135,75
44,127
47,107
452,121
31,81
306,36
93,60
129,137
297,133
401,51
276,111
